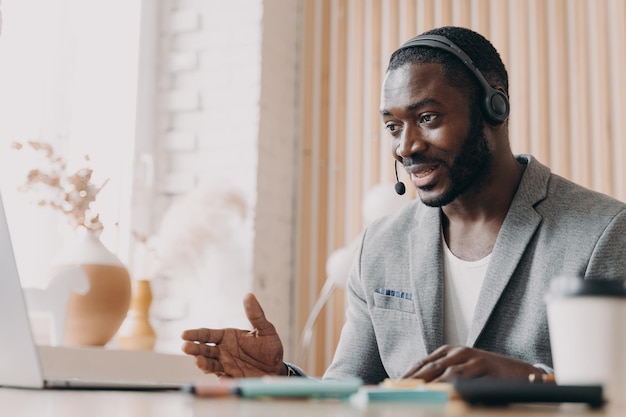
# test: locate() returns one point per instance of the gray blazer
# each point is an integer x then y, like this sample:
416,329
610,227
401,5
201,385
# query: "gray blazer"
395,291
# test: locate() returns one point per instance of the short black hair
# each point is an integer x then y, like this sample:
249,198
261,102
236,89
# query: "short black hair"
477,47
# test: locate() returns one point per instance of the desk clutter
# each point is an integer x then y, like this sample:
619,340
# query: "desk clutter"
305,388
482,392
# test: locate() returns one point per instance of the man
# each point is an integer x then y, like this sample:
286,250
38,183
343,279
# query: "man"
453,285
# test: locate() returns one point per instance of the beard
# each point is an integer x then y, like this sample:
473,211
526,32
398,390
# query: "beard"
471,166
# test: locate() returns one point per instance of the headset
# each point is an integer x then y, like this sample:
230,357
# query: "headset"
495,104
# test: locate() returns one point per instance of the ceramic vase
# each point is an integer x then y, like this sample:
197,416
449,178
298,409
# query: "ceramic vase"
136,332
94,318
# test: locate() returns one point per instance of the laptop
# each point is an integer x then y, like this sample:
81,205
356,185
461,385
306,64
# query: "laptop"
25,364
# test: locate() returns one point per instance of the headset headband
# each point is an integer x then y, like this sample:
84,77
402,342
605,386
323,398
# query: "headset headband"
496,104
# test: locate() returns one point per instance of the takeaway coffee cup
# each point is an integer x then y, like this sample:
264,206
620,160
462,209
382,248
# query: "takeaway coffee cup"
587,321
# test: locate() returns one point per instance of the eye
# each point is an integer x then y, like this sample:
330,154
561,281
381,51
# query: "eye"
427,118
393,128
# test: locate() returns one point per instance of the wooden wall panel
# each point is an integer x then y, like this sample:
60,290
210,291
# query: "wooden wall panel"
617,57
565,58
558,91
599,100
579,88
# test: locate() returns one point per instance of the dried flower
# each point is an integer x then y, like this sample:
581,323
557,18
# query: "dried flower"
70,192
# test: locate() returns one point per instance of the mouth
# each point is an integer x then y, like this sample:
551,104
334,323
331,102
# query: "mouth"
421,175
423,172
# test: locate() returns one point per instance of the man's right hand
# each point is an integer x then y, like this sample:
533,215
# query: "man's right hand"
238,353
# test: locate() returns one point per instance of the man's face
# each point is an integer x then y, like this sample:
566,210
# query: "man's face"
435,134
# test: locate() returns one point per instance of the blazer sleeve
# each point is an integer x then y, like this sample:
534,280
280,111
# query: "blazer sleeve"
608,259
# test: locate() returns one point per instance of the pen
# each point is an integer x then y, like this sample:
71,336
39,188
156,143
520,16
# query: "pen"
213,389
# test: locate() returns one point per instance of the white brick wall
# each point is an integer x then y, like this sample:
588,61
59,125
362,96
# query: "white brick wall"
226,108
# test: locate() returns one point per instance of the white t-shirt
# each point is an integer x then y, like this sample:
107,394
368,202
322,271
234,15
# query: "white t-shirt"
462,283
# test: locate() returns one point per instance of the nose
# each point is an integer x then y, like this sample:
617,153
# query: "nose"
410,142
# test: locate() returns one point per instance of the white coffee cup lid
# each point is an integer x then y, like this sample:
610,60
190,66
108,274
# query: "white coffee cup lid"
568,286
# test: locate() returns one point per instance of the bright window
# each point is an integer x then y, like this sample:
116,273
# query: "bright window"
68,76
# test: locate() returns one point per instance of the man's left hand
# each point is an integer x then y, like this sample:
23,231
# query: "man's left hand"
458,362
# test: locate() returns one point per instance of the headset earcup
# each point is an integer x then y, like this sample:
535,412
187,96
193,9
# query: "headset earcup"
496,106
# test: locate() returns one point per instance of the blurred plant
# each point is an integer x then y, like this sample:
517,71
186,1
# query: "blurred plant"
212,214
70,192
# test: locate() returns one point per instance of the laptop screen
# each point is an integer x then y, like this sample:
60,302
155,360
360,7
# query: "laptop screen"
19,361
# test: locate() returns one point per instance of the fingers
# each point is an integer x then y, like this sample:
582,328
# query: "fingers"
450,356
197,349
203,335
207,357
427,361
458,362
461,371
448,363
463,363
209,366
256,316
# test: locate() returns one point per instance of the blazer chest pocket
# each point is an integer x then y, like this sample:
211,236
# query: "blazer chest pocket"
389,302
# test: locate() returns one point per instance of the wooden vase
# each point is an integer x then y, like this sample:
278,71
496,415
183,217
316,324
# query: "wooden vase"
94,318
136,332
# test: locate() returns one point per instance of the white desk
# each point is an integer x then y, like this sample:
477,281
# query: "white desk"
61,403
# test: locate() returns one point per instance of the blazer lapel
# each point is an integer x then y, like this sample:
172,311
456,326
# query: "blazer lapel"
517,230
426,272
